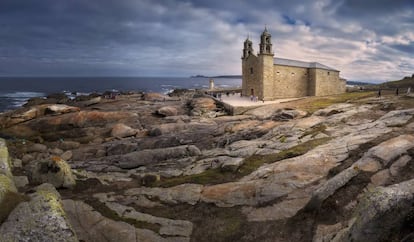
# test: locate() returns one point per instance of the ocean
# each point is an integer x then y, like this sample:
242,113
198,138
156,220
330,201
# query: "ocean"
15,91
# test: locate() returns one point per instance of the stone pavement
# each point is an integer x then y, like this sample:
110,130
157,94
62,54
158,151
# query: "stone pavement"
237,101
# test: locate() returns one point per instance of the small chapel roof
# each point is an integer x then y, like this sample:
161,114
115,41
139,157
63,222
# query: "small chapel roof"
296,63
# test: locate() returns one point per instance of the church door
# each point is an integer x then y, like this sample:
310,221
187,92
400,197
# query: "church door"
252,92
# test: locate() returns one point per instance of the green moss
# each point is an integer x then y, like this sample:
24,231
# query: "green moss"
282,139
217,176
53,200
107,212
323,102
315,130
255,161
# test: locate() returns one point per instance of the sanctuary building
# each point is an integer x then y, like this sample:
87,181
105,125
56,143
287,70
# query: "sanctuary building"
269,78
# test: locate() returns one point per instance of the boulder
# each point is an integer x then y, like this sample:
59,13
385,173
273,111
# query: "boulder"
57,109
56,151
167,111
153,156
152,96
17,163
68,145
37,148
5,166
121,130
380,212
90,102
232,164
59,97
36,101
40,219
202,105
53,170
67,155
20,181
6,186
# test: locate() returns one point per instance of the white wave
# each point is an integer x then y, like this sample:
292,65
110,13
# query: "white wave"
22,94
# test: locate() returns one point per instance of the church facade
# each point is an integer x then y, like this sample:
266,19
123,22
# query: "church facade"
270,78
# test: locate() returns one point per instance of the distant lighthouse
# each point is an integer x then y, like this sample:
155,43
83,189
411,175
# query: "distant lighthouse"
211,84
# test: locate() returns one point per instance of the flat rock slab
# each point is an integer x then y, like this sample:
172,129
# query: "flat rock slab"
90,225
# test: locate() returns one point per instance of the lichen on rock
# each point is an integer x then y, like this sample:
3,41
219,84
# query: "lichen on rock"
40,219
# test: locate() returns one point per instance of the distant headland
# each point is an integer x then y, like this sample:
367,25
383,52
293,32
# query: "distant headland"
221,76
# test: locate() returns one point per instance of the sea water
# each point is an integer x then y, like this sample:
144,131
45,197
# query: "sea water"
15,91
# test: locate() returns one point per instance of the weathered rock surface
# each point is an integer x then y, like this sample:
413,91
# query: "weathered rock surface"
202,106
144,157
225,162
274,167
40,219
379,212
169,227
90,225
5,166
57,109
54,171
185,193
121,131
167,111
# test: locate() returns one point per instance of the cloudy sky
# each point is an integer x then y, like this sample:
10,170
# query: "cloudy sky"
368,40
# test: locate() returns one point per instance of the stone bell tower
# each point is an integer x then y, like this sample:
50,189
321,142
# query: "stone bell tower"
266,43
266,66
247,48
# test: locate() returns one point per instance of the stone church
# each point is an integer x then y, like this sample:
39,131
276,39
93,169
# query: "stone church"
270,78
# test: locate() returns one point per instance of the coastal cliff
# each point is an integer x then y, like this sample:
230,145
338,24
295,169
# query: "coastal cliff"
152,167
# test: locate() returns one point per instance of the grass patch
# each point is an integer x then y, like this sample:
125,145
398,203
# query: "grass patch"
108,213
255,161
211,223
317,103
217,176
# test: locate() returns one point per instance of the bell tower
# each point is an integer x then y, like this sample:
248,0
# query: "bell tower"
266,43
247,48
265,63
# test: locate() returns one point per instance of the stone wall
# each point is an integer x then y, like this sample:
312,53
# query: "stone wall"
326,82
290,81
268,88
251,79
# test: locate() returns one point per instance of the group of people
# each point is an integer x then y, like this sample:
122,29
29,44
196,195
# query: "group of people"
253,98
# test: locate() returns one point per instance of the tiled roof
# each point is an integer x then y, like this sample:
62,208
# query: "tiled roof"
287,62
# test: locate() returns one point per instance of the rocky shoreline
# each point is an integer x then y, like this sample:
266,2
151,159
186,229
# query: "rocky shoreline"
153,167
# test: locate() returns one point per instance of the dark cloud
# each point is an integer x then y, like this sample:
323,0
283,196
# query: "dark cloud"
185,37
